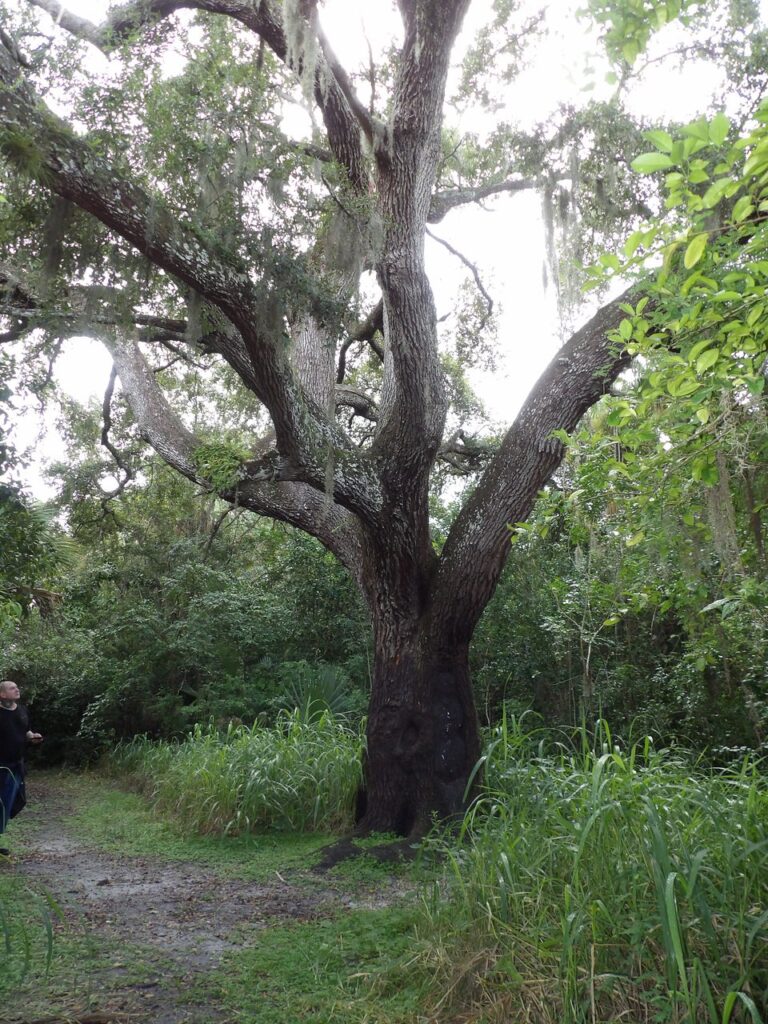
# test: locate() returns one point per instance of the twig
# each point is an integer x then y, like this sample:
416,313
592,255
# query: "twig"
106,411
475,273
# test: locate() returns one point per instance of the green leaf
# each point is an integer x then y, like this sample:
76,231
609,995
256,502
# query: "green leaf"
649,163
755,313
707,360
697,130
719,127
721,602
695,250
629,51
698,348
743,208
635,539
698,176
633,243
661,140
669,251
610,260
716,191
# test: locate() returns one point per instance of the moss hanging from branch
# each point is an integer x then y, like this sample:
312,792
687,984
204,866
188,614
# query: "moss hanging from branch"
300,29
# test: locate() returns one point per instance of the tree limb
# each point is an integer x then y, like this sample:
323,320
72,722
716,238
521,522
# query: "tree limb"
291,502
364,118
442,202
307,434
413,403
353,398
128,471
478,542
71,169
365,331
465,454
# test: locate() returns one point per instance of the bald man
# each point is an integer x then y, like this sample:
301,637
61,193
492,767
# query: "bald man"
14,736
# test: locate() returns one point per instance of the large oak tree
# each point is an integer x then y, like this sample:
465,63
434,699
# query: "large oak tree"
164,239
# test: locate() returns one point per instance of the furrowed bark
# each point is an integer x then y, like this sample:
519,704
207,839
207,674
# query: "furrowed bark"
293,503
158,424
478,543
413,403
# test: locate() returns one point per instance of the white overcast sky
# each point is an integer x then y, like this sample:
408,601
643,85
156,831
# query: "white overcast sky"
506,240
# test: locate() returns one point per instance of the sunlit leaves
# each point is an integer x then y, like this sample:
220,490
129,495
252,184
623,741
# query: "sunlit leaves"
662,140
718,129
628,24
694,251
649,163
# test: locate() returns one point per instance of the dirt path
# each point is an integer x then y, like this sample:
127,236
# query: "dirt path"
181,917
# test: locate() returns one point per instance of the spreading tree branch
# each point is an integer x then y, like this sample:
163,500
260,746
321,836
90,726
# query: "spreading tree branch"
478,543
289,501
307,436
124,21
442,202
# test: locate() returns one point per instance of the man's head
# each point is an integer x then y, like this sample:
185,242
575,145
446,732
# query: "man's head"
9,691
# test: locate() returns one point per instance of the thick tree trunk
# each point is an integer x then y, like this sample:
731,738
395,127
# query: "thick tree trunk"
423,736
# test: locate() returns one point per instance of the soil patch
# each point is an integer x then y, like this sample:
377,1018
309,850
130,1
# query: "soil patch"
160,926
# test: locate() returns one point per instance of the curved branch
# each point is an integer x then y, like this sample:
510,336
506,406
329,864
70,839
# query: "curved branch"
364,118
478,543
442,202
475,273
365,331
158,423
295,503
362,404
129,472
305,508
465,454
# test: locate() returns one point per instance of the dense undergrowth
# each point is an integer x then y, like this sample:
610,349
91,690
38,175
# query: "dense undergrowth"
301,775
601,884
588,882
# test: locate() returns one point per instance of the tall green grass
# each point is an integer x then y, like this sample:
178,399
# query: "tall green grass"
28,923
297,775
596,885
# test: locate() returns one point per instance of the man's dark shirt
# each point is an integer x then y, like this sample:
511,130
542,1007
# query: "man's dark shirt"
14,726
